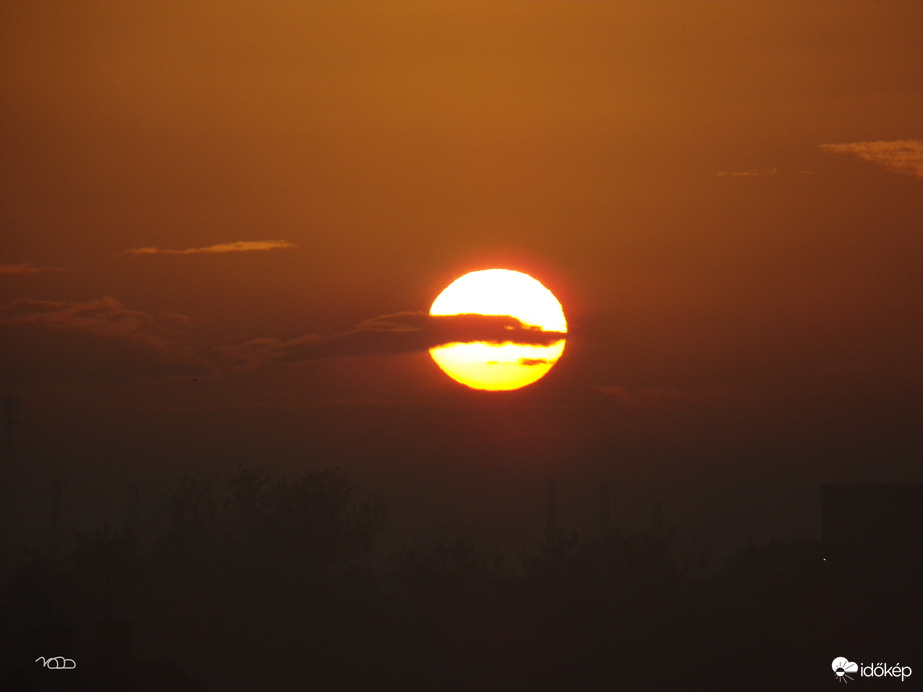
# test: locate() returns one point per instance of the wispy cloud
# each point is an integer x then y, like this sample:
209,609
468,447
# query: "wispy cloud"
901,156
239,246
25,268
753,173
404,332
657,396
104,317
97,340
535,361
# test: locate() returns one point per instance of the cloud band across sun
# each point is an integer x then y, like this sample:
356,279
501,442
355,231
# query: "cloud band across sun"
166,337
404,332
220,248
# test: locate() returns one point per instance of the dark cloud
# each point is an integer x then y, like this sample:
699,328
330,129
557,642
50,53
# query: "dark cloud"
103,317
403,332
105,328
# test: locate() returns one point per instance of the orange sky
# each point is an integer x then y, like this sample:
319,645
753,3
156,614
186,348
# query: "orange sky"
727,197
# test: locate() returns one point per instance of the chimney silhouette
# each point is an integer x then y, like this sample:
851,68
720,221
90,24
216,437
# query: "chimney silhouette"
133,518
57,542
605,516
658,520
11,411
552,540
9,470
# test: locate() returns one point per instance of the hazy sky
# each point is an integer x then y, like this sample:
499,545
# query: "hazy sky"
207,207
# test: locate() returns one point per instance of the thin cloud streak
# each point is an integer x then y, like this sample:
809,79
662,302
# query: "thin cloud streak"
25,269
658,396
747,174
900,156
220,248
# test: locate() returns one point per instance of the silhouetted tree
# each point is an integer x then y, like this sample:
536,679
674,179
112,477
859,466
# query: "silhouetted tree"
445,568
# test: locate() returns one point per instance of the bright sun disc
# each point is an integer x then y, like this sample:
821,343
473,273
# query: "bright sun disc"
499,366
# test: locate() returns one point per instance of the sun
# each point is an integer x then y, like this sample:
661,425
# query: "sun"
496,366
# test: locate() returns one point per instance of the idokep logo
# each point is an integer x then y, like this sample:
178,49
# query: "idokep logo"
842,667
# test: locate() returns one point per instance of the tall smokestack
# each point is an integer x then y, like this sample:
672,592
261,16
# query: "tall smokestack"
57,542
658,519
551,518
133,514
10,450
9,470
605,515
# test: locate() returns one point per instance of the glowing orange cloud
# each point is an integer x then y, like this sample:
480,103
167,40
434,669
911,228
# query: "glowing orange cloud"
25,268
900,156
239,246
